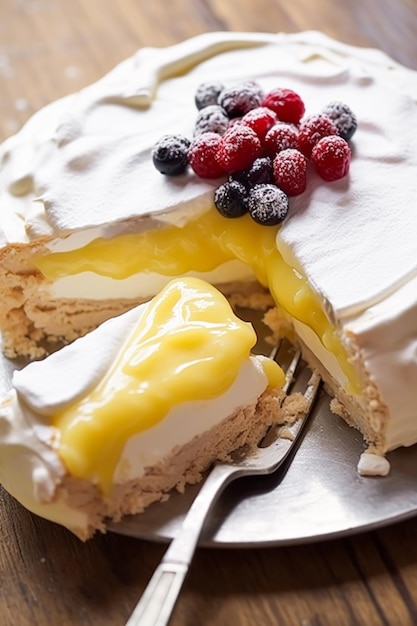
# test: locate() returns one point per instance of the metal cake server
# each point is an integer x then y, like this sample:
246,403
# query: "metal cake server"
157,603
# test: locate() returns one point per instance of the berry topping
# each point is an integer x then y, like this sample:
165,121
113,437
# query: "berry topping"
241,98
331,156
290,171
207,93
238,148
170,154
280,137
286,103
211,119
343,117
202,155
267,204
230,199
312,129
261,172
260,120
263,143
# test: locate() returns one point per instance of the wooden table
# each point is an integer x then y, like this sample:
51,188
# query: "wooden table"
49,48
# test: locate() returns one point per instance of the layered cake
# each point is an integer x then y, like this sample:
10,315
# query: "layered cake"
90,227
141,405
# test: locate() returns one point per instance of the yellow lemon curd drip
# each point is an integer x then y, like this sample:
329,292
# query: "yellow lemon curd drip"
201,246
187,346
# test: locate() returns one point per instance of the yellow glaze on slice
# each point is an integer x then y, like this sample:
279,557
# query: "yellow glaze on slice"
188,346
200,246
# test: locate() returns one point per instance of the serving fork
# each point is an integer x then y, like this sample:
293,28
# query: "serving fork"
157,603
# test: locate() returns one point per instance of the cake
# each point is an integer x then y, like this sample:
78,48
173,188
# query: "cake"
90,228
139,406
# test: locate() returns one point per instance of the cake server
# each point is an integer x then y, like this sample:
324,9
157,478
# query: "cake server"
157,603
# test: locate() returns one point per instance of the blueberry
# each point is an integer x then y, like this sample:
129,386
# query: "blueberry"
230,199
170,154
207,93
241,98
211,119
267,204
343,117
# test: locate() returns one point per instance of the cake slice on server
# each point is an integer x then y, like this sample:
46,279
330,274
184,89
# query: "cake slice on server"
90,228
142,405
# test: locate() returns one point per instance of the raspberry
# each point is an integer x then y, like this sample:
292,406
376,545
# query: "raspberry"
343,117
312,129
290,171
207,93
211,119
202,155
286,103
170,154
267,204
230,199
238,148
240,98
260,120
331,157
280,137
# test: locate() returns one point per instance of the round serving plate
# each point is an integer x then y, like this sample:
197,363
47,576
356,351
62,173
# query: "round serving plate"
318,495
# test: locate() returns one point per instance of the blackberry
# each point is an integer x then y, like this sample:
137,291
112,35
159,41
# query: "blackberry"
343,117
241,98
230,199
211,119
261,172
207,93
170,154
267,204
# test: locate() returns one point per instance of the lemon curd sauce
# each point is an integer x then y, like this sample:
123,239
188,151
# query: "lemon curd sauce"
202,245
188,346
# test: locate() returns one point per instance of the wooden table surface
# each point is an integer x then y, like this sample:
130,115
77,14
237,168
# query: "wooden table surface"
49,48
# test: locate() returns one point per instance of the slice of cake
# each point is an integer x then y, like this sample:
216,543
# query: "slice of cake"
141,405
91,228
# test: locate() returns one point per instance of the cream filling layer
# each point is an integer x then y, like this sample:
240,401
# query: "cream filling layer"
138,286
